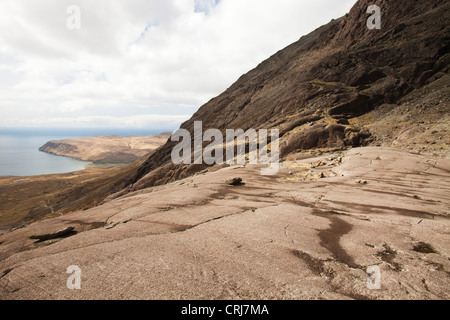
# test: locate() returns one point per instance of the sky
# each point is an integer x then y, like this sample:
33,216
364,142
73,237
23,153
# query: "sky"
137,63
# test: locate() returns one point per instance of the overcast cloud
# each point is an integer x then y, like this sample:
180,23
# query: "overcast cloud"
137,63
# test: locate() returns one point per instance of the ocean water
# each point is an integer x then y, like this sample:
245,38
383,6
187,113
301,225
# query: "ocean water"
20,155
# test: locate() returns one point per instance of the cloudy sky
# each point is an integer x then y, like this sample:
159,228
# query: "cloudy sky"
137,63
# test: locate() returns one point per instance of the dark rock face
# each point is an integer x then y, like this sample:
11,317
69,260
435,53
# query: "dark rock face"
234,182
338,72
53,235
324,136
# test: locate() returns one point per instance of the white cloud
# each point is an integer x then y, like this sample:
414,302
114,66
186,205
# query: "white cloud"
154,122
138,58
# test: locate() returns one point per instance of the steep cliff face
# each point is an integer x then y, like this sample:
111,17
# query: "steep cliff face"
343,85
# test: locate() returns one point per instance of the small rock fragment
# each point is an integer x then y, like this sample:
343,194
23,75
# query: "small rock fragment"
234,182
318,163
424,247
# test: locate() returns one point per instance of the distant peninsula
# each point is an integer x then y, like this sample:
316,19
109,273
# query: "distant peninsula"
106,149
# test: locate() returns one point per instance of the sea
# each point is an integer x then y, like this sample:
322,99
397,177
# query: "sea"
20,155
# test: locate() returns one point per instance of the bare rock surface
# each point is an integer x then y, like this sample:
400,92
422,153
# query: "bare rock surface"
277,237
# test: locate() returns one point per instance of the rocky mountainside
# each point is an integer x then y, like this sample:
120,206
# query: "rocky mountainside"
341,86
315,229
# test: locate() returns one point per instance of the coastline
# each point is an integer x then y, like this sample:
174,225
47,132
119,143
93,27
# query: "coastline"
26,199
106,150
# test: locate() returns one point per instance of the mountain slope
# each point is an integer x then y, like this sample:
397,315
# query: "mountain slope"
333,88
341,86
313,230
276,237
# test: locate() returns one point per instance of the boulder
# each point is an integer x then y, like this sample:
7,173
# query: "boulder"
52,235
234,182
